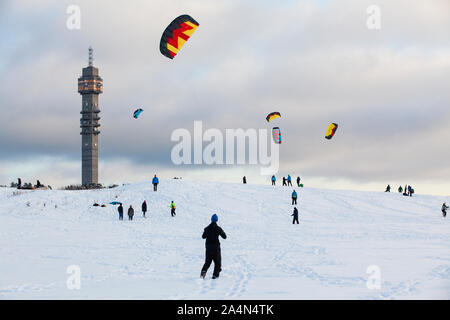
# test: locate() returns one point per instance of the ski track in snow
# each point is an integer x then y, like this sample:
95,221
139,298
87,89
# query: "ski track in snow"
265,256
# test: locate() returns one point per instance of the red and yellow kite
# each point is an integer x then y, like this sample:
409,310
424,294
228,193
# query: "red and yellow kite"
176,35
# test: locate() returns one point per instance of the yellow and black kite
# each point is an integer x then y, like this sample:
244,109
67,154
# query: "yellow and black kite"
331,130
176,34
272,116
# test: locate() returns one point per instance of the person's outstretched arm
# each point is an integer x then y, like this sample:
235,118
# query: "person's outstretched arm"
222,233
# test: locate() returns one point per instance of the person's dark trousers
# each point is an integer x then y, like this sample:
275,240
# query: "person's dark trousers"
298,184
213,254
273,183
120,216
444,213
172,212
155,187
289,183
294,200
130,217
295,220
143,212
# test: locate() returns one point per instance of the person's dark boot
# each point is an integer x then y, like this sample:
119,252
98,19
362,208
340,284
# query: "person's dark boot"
203,274
215,277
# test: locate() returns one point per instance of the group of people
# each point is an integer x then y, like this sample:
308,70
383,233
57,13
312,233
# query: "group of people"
144,210
286,181
408,191
29,185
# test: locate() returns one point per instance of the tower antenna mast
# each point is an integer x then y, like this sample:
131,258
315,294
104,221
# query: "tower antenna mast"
91,57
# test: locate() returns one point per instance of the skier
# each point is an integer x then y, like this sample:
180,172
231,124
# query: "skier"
298,181
19,183
294,197
400,189
244,180
388,188
212,244
172,209
284,181
155,182
130,213
120,209
444,209
144,208
273,180
295,215
289,180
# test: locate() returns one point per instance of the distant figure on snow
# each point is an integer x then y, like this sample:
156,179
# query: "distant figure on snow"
120,209
244,180
130,213
172,209
284,181
155,182
19,183
444,209
294,197
289,180
295,215
298,181
38,184
144,208
212,244
388,188
400,189
273,180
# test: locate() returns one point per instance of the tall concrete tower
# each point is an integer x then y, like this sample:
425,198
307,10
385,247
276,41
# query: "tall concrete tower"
90,85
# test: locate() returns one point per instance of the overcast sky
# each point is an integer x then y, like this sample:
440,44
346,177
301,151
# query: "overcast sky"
314,61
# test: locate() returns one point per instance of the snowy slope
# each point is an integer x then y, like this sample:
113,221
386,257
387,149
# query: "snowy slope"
341,234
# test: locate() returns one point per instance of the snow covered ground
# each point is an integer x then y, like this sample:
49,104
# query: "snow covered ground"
326,256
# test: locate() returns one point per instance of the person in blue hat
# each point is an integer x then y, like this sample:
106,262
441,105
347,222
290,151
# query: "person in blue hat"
212,244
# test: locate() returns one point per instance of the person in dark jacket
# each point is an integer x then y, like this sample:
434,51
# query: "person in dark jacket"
212,244
294,197
244,180
298,181
400,189
120,209
273,180
144,208
130,213
289,180
388,188
155,182
19,183
295,215
444,209
284,181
